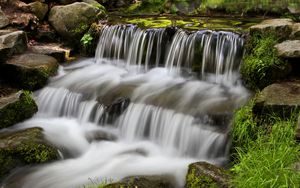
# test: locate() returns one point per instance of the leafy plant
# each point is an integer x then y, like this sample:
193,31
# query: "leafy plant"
86,40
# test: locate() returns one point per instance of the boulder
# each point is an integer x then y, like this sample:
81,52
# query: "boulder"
72,21
15,106
282,28
55,50
30,71
12,43
203,175
279,98
143,182
24,147
3,20
39,9
296,31
289,49
99,135
114,110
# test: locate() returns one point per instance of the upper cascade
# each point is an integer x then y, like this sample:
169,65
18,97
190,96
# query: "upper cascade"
206,52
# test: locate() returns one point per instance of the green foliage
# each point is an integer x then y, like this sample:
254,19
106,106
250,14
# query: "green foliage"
86,40
269,160
147,7
261,65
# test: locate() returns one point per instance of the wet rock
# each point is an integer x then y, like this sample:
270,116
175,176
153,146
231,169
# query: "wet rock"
12,43
203,175
39,9
23,20
3,20
296,31
279,98
15,107
99,135
72,21
143,182
30,71
45,33
115,109
289,49
282,28
22,148
55,50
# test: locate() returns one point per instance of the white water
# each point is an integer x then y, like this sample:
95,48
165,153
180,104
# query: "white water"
168,124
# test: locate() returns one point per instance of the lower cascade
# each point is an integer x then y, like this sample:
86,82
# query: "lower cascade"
138,108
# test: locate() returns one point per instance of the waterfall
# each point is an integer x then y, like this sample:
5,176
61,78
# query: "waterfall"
138,108
205,51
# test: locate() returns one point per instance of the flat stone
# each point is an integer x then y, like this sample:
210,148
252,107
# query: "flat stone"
24,147
30,71
289,49
280,27
55,50
12,43
4,21
15,106
279,98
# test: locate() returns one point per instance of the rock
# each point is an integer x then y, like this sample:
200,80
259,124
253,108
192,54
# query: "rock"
296,31
203,175
294,8
24,147
51,49
15,107
12,43
289,49
23,20
39,9
3,20
94,3
280,99
99,135
72,21
30,71
143,182
115,109
282,28
45,33
65,2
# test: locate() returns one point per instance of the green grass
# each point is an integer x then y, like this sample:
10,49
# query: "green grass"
268,158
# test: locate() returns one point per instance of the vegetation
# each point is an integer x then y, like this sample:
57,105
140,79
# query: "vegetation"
265,151
261,65
195,181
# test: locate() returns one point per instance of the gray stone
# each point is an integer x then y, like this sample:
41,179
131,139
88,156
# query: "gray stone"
3,19
16,106
24,147
73,20
12,43
279,98
203,175
30,71
51,49
282,28
289,49
39,9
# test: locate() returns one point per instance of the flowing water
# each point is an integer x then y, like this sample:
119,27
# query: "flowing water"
140,107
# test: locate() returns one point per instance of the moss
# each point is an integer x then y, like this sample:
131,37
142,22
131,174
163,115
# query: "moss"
23,148
262,66
89,41
194,181
23,108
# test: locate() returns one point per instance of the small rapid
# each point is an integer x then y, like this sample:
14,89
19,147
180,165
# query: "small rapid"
138,107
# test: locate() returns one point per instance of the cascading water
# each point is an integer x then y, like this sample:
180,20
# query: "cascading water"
136,110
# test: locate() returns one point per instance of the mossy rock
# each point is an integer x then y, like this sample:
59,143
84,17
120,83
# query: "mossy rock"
29,71
72,21
16,107
143,182
205,175
23,148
